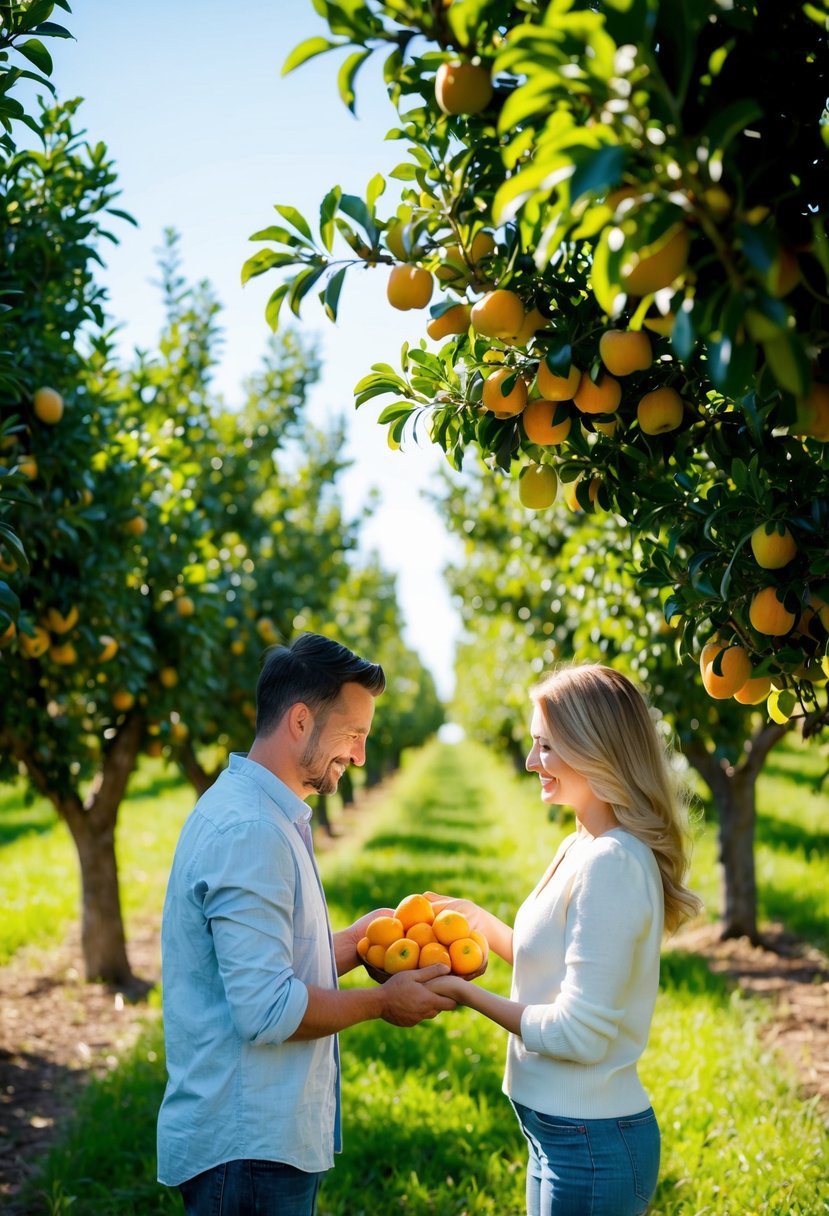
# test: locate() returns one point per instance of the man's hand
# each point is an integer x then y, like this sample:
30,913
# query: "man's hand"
408,1000
345,940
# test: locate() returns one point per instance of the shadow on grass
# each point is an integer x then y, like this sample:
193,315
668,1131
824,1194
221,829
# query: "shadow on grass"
803,912
10,832
790,837
683,972
431,843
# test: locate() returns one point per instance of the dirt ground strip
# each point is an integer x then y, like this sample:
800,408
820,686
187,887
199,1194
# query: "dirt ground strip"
56,1031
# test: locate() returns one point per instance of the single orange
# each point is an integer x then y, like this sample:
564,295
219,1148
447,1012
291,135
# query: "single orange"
421,933
557,388
401,956
466,955
598,397
376,956
539,426
384,930
482,942
434,952
363,947
450,926
414,909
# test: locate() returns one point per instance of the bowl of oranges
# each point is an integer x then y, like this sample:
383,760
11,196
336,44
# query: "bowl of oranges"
414,936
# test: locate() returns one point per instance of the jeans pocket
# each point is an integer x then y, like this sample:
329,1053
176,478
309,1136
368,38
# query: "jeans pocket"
642,1141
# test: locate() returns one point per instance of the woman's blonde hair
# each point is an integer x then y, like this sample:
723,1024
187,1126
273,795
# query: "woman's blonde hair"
600,725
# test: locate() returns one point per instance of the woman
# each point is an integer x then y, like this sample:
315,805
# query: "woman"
585,948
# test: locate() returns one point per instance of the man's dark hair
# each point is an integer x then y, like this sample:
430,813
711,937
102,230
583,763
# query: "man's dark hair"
311,669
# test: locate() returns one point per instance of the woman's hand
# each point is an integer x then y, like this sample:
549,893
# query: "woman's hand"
466,907
451,986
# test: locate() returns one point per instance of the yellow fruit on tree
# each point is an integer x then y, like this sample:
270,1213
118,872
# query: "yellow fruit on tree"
660,411
33,645
462,88
773,545
185,606
123,700
64,655
136,526
498,314
657,265
533,322
8,633
557,388
769,615
754,691
454,320
504,405
109,648
168,677
409,287
56,622
625,351
598,397
735,669
27,465
537,487
537,420
48,405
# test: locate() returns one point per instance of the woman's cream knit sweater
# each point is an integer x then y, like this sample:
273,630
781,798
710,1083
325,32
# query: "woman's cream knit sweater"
586,951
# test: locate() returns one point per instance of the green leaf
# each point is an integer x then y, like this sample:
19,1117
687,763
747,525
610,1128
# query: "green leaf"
375,188
274,304
296,220
731,365
34,50
731,121
308,50
302,284
356,209
265,259
346,77
331,296
597,171
788,363
8,600
328,210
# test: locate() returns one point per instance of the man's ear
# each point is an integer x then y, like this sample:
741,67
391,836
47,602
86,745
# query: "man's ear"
299,720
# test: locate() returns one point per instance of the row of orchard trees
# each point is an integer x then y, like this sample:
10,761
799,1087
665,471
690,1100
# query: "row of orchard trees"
560,587
166,540
618,214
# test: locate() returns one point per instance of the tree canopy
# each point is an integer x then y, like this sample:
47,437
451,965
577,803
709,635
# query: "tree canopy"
622,208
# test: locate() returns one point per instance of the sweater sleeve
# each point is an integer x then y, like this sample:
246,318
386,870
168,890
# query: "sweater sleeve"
609,911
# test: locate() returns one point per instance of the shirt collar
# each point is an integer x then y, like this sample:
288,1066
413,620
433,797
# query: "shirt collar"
288,802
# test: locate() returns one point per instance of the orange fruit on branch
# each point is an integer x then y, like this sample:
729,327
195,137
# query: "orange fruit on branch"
462,88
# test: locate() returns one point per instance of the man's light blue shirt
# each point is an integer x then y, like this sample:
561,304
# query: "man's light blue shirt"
245,929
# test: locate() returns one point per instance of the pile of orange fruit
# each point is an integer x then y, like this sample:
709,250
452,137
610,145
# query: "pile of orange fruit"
415,937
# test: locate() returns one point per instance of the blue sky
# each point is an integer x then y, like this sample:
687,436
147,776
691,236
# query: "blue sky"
207,135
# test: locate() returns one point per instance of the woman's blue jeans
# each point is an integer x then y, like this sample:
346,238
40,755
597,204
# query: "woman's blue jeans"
251,1188
590,1167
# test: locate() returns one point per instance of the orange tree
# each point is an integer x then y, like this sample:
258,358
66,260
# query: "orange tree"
24,58
559,586
617,210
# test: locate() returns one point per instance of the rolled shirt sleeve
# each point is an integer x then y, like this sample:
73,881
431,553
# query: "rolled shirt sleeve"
251,919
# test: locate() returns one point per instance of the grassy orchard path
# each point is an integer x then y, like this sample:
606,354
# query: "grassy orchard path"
427,1131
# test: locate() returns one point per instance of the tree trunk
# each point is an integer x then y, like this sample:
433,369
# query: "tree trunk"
194,771
92,825
734,792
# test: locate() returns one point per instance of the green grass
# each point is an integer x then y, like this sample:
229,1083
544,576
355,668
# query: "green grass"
427,1130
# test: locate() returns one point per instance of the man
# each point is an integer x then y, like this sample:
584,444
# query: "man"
251,1115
